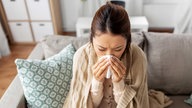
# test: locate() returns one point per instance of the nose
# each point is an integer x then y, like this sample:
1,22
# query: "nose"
109,52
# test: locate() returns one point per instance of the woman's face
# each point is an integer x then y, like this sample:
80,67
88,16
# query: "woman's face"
109,44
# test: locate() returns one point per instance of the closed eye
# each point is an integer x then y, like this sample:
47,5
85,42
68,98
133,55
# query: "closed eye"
118,50
102,49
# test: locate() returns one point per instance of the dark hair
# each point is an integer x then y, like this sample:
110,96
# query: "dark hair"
114,19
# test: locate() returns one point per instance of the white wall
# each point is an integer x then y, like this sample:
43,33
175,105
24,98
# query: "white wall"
72,9
4,46
69,11
160,13
130,7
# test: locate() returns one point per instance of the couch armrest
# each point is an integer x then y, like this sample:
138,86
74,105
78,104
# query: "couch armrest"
37,52
13,96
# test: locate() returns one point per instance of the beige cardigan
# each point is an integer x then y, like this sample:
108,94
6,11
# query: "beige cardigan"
135,94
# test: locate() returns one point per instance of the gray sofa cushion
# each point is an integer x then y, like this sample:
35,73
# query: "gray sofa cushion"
138,38
169,62
178,101
80,41
54,43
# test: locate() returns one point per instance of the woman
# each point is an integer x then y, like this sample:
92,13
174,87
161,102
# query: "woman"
127,86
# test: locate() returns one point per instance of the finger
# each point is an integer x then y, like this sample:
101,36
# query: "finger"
115,76
99,61
120,64
102,68
117,68
102,76
100,65
118,61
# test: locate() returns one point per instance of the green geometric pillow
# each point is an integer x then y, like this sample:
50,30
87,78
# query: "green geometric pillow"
189,101
46,82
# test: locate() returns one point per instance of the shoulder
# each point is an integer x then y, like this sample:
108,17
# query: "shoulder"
137,53
82,52
138,63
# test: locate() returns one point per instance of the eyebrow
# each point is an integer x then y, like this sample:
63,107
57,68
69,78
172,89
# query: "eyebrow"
112,48
101,47
118,47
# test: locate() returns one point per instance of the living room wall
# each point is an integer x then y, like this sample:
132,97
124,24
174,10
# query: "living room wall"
160,13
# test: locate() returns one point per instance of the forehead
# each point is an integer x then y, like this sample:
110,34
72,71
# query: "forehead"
108,39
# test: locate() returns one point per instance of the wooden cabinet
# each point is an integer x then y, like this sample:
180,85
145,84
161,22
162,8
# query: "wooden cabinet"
29,20
39,9
15,9
21,31
41,29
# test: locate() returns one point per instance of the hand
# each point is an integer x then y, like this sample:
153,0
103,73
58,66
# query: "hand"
100,69
117,68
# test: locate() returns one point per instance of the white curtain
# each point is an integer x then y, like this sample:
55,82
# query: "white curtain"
4,47
183,17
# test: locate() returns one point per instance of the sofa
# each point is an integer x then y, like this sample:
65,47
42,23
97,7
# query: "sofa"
169,65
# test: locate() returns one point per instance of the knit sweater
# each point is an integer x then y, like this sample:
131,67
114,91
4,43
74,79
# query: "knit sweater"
135,94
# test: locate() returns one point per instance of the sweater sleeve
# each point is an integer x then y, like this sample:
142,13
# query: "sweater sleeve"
118,89
136,93
79,88
96,92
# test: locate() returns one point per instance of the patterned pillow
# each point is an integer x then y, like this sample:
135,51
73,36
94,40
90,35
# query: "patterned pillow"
46,82
189,101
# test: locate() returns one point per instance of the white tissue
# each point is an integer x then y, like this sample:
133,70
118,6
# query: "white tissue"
108,75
